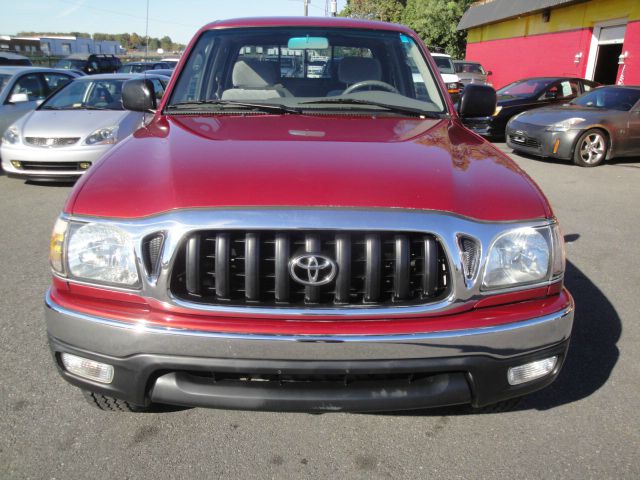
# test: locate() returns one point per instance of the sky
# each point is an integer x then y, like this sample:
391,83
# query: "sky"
179,19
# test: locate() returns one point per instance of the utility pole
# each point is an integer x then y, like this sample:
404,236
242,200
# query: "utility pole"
306,8
334,8
146,33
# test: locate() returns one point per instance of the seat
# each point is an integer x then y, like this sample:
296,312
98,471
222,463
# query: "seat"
352,70
255,80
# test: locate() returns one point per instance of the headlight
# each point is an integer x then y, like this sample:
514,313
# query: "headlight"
101,253
103,136
497,111
564,125
520,257
11,135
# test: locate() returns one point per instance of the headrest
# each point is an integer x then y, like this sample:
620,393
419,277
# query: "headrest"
252,73
358,69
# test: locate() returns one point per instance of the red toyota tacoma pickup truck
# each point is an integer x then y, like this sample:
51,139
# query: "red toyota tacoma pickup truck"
305,225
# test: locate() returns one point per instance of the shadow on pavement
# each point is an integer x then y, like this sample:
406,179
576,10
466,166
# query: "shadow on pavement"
592,354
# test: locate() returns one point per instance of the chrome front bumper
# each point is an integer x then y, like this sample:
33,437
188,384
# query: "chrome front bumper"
120,339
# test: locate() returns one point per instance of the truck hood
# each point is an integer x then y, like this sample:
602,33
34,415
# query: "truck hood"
306,161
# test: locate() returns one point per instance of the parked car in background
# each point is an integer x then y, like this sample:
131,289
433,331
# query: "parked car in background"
527,94
599,125
23,88
91,64
139,67
449,76
167,72
12,59
172,61
72,129
470,72
267,243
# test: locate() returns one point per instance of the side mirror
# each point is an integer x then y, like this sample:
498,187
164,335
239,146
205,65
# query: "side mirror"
477,101
138,96
19,98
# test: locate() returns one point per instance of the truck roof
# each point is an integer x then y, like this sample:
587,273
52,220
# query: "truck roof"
306,22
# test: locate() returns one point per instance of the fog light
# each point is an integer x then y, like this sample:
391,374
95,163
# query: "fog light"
531,371
16,163
85,368
84,165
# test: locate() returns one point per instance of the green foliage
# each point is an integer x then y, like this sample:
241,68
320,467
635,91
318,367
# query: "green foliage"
434,20
384,10
126,40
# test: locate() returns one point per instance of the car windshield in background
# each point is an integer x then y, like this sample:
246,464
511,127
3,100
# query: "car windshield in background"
4,79
71,64
524,88
469,68
333,69
87,95
444,64
614,98
136,68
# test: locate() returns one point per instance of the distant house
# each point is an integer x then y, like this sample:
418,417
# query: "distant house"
593,39
61,46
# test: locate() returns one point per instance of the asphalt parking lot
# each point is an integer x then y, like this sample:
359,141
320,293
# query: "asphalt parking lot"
586,425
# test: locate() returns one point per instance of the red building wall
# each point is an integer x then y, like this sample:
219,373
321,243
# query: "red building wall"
550,54
629,73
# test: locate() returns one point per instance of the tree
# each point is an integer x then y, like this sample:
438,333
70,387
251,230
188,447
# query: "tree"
136,40
166,44
384,10
436,22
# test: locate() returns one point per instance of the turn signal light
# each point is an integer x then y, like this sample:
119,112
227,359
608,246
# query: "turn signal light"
89,369
84,165
531,371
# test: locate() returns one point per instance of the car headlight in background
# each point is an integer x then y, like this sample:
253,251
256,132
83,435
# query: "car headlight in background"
103,136
524,256
101,253
11,135
565,125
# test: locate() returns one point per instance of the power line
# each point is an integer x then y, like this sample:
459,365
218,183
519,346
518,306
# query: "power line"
122,14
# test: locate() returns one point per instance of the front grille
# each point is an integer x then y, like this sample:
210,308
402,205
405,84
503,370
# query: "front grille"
66,166
238,268
526,141
51,141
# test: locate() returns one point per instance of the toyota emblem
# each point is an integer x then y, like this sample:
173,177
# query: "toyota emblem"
312,269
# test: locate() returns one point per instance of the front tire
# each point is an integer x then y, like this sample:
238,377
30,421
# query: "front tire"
591,149
110,404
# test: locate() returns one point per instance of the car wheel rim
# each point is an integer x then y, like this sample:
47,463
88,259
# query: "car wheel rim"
592,148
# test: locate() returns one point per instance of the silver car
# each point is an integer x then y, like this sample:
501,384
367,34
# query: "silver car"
470,72
72,129
597,126
22,89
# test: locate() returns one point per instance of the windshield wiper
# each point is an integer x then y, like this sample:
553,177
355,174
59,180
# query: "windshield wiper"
392,108
263,107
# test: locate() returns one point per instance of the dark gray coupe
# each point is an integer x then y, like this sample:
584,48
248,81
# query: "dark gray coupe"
597,126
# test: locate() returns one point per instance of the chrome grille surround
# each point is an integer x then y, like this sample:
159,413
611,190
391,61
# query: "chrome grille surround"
445,227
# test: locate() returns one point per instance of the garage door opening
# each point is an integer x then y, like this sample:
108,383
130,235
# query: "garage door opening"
606,47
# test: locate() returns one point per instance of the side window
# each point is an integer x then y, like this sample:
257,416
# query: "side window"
31,85
568,89
586,86
55,81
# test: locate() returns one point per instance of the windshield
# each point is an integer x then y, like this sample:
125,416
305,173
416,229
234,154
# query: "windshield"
87,95
444,64
70,64
524,88
334,69
464,67
608,97
4,79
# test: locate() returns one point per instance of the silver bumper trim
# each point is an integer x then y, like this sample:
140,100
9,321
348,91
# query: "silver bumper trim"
116,338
